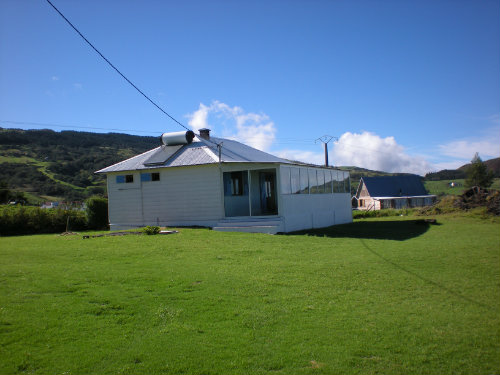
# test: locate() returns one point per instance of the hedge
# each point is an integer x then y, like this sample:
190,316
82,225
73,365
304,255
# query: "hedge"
16,220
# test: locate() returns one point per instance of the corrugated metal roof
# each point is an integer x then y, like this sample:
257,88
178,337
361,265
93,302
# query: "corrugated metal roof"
394,186
199,152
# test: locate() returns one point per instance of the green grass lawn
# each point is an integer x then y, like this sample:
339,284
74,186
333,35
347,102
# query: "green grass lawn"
443,188
390,296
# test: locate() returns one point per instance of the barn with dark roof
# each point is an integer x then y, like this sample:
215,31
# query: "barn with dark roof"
375,193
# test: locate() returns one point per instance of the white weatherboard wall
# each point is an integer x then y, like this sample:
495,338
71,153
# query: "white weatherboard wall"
184,196
305,211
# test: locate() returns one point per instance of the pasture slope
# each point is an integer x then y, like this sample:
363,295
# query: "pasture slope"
386,295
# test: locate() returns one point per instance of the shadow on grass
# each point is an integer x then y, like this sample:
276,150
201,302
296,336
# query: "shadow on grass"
378,230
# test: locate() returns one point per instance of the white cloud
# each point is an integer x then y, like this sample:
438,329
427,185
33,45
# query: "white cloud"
455,164
487,145
198,119
365,150
77,86
255,129
54,78
368,150
303,156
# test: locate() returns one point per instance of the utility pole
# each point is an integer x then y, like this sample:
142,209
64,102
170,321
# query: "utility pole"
325,139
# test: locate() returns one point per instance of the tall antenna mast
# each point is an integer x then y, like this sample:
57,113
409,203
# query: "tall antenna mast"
325,139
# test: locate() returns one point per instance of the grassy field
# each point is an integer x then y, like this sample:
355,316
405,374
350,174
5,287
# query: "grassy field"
443,188
391,296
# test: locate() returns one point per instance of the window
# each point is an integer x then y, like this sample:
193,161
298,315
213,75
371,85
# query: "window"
295,180
321,180
304,181
313,182
236,183
127,179
334,181
339,181
285,181
328,182
347,183
146,177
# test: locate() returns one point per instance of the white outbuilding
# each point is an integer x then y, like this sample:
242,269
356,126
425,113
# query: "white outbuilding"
199,180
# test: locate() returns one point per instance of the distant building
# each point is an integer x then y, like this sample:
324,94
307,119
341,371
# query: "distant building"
50,205
198,180
376,193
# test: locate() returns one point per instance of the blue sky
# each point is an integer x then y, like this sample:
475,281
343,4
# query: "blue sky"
405,86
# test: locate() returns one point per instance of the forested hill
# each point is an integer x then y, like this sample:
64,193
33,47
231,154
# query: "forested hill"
460,173
49,164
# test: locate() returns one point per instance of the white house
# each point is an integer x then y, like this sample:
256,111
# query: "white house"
198,180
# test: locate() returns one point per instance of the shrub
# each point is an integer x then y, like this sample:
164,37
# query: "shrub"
17,220
151,230
382,213
97,213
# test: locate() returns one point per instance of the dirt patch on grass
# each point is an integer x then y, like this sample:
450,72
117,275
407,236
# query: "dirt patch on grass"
315,364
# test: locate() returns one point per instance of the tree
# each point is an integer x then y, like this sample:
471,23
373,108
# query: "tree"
478,174
4,192
97,212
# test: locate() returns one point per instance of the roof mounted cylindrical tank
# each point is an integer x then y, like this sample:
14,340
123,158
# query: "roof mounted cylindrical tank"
177,138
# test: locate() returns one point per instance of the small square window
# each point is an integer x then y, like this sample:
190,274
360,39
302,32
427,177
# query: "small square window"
129,178
146,177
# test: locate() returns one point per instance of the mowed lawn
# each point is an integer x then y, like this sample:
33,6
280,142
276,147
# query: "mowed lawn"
390,296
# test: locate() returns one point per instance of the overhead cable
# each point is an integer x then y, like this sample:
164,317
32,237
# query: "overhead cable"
115,68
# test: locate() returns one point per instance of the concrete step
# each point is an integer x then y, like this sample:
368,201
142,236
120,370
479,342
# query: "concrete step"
250,225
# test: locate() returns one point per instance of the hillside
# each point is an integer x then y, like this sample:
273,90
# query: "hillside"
457,174
492,165
45,164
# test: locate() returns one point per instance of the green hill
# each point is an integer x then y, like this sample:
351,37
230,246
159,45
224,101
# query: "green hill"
457,174
46,165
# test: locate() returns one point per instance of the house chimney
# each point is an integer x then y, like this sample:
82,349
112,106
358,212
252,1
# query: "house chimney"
204,133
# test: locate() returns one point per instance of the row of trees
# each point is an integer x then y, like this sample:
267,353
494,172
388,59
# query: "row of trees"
7,195
19,220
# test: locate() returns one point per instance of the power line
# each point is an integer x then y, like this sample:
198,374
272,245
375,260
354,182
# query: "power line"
115,68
